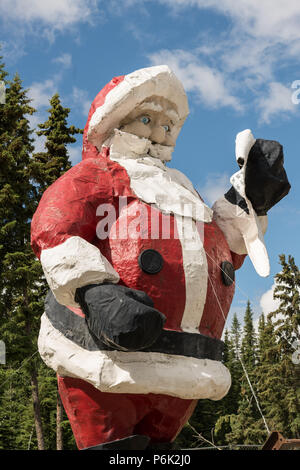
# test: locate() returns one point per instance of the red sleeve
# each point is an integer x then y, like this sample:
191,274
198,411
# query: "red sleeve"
237,260
68,207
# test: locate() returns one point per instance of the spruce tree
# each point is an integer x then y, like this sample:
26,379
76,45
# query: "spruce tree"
28,392
234,364
247,424
230,402
287,316
235,334
49,165
19,268
268,382
262,339
248,346
278,388
284,409
46,167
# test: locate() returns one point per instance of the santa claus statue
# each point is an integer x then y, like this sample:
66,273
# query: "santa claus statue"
141,271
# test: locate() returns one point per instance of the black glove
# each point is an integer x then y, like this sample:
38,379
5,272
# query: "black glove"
266,181
123,318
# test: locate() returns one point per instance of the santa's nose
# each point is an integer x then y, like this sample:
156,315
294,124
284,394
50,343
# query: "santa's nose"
158,135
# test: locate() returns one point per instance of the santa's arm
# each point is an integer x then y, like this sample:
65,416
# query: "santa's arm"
235,223
260,183
64,227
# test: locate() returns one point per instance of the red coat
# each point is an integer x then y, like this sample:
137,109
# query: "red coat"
68,208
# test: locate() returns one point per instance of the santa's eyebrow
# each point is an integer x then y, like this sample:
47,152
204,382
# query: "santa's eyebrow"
171,113
150,107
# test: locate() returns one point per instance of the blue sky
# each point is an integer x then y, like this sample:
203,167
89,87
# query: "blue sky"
237,61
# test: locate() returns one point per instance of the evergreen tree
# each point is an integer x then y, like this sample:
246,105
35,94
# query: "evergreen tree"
28,388
234,365
283,394
247,423
19,268
262,340
49,165
230,402
248,347
287,316
268,383
46,167
16,411
235,334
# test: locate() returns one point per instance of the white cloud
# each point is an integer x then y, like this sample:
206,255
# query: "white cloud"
259,28
279,19
75,154
81,100
43,19
64,59
12,50
208,83
215,187
39,141
57,13
41,92
267,302
278,101
264,36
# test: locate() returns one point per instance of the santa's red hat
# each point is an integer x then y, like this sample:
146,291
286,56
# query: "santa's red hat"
122,94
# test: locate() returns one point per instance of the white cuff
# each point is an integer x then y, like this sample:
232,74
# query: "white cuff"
243,232
75,263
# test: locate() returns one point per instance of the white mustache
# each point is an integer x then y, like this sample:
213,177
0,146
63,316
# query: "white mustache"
130,144
163,152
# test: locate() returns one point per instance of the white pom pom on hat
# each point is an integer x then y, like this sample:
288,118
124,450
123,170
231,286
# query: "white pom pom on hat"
129,93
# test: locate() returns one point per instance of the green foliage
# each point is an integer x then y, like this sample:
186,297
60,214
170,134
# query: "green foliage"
23,178
267,357
281,378
47,166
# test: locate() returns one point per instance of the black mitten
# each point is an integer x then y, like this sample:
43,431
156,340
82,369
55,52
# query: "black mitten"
121,317
266,181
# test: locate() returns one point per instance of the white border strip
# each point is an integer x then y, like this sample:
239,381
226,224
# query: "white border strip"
195,270
133,372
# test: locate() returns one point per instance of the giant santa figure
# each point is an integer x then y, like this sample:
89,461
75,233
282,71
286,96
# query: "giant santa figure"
140,270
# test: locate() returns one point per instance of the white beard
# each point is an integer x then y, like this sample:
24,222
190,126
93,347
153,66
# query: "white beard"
124,143
152,180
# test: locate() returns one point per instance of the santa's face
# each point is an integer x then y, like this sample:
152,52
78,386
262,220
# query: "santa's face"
154,120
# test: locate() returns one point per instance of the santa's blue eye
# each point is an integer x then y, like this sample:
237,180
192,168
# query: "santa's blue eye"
145,120
166,128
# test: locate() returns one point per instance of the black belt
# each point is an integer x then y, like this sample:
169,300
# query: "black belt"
177,343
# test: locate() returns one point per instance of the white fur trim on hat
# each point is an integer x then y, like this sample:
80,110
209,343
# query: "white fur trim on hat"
135,88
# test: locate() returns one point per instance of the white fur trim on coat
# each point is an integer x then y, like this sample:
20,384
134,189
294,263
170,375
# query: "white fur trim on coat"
244,233
195,271
75,263
133,372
